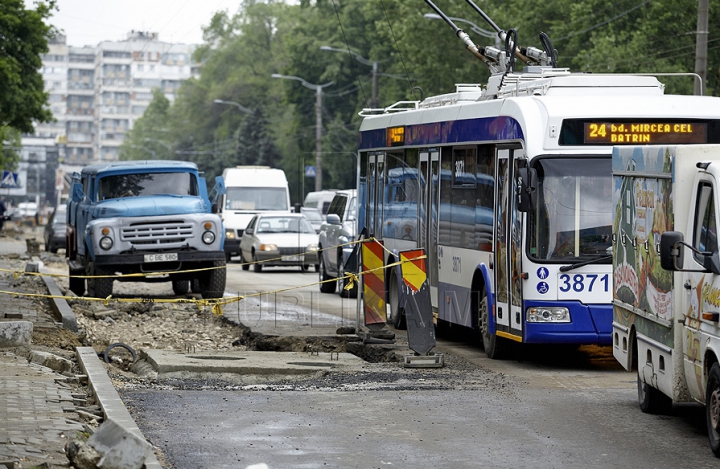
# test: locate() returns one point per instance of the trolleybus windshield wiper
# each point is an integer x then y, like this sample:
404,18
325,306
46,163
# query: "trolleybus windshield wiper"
566,268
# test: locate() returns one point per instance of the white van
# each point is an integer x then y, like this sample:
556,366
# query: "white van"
250,190
319,201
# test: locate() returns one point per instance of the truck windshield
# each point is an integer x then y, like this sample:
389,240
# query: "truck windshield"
256,198
144,184
573,217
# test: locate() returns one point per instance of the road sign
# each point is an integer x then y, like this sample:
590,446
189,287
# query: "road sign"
9,180
310,171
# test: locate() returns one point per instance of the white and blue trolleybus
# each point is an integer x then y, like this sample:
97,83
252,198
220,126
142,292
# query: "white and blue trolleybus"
508,187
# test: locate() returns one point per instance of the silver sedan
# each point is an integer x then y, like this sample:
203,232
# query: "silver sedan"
279,240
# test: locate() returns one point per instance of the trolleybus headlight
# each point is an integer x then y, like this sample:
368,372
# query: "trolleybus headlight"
548,314
208,237
106,243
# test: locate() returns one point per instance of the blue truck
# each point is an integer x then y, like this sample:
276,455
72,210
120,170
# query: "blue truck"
145,217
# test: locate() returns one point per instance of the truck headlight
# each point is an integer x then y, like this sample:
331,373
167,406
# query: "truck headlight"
208,237
106,243
549,314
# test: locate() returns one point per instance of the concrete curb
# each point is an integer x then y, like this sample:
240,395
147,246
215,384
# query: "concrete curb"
108,397
61,308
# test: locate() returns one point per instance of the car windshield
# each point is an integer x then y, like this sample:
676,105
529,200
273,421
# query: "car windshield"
145,184
60,216
256,198
284,225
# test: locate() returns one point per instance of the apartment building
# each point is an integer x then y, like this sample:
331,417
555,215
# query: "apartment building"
96,94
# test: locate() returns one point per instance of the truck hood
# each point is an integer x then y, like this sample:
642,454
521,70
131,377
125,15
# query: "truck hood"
149,206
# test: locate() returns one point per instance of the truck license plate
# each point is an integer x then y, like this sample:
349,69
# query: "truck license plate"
166,257
293,258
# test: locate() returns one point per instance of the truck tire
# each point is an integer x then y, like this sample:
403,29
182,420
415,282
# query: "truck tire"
181,287
651,400
76,285
99,287
195,285
712,408
212,284
495,347
327,287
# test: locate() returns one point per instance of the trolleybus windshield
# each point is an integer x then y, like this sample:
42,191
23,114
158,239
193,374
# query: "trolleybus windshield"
572,220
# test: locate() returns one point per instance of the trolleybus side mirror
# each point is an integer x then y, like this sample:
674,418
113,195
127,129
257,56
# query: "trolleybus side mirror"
671,250
527,189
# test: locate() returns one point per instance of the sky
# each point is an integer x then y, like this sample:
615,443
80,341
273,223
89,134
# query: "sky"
89,22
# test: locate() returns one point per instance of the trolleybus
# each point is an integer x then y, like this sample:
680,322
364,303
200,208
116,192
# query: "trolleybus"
508,188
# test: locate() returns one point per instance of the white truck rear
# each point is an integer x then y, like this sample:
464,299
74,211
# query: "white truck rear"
250,190
666,269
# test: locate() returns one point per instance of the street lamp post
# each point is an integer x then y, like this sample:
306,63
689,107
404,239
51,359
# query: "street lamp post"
240,107
318,123
374,102
473,27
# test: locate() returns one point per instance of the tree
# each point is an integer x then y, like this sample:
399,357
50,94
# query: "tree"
23,39
255,145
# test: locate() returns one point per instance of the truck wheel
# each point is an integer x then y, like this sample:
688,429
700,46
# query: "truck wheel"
257,267
212,284
495,347
342,282
100,287
195,285
327,287
712,408
180,287
651,400
77,285
398,313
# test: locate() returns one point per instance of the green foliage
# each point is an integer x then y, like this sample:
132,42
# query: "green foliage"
11,143
23,38
243,49
147,140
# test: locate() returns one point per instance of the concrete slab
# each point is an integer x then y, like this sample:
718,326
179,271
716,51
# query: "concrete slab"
167,362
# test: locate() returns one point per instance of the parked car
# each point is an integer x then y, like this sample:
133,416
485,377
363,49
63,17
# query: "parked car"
55,230
280,240
340,228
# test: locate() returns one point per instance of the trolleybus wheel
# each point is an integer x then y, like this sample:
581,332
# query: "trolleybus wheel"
495,347
712,408
651,400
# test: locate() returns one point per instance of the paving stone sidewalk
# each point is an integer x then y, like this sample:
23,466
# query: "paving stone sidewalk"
36,403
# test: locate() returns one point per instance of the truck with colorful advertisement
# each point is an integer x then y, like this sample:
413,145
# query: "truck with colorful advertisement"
666,275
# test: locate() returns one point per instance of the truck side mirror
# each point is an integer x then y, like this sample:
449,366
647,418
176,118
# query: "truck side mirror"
214,208
297,208
333,219
671,250
527,189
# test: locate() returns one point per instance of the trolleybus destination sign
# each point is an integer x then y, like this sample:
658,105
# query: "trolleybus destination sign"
618,133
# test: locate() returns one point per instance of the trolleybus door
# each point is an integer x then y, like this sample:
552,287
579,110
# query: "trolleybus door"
376,185
429,181
508,246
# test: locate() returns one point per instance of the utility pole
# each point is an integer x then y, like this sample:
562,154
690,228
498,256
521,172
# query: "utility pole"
701,45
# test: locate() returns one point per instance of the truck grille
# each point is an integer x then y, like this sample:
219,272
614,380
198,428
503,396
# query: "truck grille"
157,233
